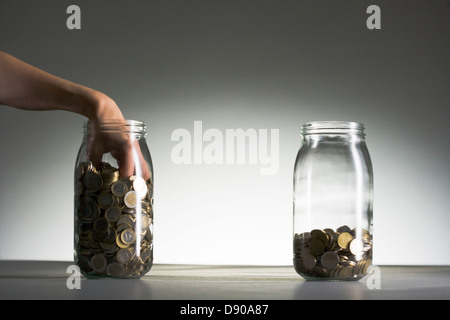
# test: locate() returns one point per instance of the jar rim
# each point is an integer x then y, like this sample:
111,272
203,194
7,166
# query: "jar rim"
332,127
116,125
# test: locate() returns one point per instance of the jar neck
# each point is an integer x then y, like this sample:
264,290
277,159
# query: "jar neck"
134,127
333,128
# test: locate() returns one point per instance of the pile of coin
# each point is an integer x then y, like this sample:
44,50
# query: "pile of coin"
113,222
338,255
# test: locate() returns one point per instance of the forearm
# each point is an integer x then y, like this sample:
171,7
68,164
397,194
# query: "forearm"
26,87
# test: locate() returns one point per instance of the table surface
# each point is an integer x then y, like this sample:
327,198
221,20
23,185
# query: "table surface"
45,280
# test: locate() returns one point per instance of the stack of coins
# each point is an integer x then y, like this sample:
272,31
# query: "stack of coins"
344,254
113,222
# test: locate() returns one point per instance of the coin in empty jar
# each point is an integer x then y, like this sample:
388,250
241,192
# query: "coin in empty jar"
309,261
356,246
321,235
329,260
344,239
316,246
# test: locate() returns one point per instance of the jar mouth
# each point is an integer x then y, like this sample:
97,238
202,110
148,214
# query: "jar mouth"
332,127
115,125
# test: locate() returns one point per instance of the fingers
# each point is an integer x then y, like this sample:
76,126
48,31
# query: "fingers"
131,161
122,147
95,151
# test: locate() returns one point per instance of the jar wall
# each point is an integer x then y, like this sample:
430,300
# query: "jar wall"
113,202
333,196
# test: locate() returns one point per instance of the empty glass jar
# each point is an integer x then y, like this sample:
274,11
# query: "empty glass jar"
113,201
333,196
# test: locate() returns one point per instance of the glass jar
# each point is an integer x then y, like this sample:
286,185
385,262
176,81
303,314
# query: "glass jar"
333,196
113,234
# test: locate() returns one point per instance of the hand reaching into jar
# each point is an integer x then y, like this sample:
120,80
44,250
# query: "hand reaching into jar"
28,88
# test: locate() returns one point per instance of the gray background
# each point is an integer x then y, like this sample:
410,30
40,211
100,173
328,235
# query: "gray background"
235,64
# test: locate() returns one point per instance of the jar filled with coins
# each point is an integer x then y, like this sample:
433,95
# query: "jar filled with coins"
113,234
333,201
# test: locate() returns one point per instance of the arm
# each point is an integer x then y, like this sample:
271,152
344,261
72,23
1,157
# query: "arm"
29,88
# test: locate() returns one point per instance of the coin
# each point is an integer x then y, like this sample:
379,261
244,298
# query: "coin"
146,254
346,272
316,246
342,257
128,236
120,243
344,228
119,188
101,224
344,239
92,180
329,260
140,187
112,214
321,235
115,269
98,263
356,246
130,199
127,220
320,272
123,256
309,261
106,200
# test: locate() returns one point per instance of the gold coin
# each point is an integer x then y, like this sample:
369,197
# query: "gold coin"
120,243
344,239
346,272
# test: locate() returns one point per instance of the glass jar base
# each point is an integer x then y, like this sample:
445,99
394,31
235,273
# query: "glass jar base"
329,279
94,275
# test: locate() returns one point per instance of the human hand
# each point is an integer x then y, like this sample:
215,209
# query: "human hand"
111,133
